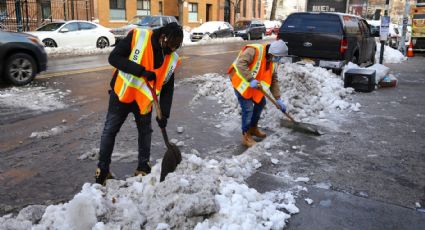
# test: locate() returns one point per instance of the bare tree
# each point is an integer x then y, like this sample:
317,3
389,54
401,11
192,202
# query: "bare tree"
180,5
273,11
236,8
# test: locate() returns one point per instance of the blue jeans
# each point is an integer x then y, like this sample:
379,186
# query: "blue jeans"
251,111
117,114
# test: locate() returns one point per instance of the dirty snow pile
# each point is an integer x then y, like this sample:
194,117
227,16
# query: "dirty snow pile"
200,194
73,51
37,98
207,40
308,92
390,55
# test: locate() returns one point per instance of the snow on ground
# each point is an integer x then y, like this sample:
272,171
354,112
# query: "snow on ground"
310,93
52,132
390,55
199,188
82,51
37,98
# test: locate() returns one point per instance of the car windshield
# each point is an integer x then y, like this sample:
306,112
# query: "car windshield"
148,21
241,24
136,21
50,27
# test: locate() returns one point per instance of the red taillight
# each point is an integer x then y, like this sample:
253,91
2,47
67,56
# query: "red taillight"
344,46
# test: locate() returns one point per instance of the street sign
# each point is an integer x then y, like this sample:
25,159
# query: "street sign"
385,28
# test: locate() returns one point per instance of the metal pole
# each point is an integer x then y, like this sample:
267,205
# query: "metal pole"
18,15
402,44
381,56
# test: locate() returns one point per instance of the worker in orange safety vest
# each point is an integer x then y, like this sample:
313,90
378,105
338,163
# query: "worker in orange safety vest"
143,57
256,65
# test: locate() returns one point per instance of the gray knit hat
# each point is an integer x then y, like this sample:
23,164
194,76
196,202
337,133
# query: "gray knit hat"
278,48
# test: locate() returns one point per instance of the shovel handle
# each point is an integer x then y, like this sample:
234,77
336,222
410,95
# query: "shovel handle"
158,113
274,102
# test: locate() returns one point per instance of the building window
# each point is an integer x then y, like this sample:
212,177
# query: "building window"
117,9
143,7
160,8
193,12
46,9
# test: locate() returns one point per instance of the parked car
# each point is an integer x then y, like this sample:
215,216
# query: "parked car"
22,56
250,29
142,21
272,27
74,34
213,29
329,40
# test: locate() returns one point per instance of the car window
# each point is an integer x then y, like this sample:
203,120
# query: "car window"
173,19
351,25
241,24
224,26
86,26
73,26
156,21
50,27
315,23
165,21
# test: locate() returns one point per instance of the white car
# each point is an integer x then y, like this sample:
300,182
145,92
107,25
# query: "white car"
213,29
74,34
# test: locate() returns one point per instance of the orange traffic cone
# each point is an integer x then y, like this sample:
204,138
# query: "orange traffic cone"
410,50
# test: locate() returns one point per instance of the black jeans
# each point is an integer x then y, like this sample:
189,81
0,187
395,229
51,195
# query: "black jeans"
117,114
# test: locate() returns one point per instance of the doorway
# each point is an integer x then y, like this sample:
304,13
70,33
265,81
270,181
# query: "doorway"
208,13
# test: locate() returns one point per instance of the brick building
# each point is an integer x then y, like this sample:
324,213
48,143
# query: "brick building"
115,13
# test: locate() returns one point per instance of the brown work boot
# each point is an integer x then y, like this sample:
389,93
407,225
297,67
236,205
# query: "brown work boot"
143,169
255,131
247,140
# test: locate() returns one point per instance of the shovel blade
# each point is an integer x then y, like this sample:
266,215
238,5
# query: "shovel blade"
300,127
171,159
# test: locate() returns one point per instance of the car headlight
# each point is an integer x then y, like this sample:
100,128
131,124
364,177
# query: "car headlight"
35,40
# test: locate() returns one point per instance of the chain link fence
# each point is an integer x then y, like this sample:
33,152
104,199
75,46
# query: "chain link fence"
27,15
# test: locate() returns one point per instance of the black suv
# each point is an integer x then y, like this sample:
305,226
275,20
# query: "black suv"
250,29
22,56
330,40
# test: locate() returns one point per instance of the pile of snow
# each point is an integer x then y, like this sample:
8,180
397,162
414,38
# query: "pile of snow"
200,194
390,55
37,98
81,51
52,132
308,92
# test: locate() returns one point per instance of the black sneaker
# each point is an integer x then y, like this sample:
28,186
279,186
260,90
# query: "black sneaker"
102,176
143,169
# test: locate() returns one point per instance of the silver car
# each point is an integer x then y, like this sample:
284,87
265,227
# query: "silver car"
145,21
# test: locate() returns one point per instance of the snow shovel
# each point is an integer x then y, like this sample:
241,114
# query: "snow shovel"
298,126
172,156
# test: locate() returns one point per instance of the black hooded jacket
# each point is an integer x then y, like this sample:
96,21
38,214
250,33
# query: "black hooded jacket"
119,58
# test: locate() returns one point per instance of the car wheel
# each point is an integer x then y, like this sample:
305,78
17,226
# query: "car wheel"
102,42
20,69
48,42
213,36
249,36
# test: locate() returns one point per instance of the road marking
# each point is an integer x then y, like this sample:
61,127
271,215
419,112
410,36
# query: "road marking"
72,72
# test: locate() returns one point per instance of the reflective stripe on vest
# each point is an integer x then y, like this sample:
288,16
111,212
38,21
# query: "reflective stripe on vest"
129,87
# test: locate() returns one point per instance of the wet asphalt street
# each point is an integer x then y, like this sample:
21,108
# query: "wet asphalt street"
374,163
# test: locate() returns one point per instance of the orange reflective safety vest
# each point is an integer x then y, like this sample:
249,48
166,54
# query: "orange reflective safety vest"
259,71
131,88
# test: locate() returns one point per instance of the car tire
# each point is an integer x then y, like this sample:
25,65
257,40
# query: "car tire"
102,42
48,42
213,36
20,69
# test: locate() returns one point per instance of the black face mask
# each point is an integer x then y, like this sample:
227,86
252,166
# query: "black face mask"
167,50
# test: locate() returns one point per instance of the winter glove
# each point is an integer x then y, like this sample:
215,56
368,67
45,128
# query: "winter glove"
162,123
150,76
282,106
254,83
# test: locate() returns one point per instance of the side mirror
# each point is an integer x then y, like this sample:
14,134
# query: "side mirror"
64,30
